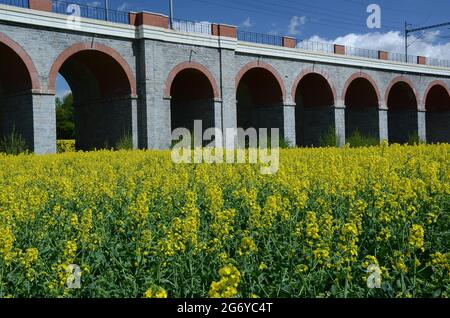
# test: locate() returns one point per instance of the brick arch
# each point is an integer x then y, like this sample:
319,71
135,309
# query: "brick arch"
308,71
26,59
88,47
191,65
406,80
265,66
365,76
430,86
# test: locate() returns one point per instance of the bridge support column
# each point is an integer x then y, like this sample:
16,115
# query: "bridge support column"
134,122
44,123
218,113
289,132
218,117
422,125
32,116
339,125
159,127
229,110
383,122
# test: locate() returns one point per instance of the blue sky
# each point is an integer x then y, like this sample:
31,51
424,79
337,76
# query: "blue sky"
339,21
327,18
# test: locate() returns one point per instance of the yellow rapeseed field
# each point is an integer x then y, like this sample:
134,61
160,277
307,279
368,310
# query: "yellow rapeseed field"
369,222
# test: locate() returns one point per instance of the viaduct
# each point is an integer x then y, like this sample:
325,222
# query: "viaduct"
140,77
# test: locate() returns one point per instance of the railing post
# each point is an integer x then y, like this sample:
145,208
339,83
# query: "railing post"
289,42
339,49
383,55
149,18
224,30
421,60
132,16
41,5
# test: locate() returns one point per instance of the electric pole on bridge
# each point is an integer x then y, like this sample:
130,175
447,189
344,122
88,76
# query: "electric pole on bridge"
171,14
107,10
409,31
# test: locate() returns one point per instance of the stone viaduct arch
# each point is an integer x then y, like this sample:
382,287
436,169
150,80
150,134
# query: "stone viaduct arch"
437,106
193,92
315,98
362,100
128,79
104,90
260,95
18,78
402,102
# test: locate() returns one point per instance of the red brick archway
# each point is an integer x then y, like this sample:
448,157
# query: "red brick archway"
88,47
265,66
195,66
365,76
399,79
308,71
430,86
26,59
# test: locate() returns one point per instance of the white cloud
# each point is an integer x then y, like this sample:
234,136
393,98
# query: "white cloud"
295,23
62,92
94,3
275,30
123,6
393,41
247,23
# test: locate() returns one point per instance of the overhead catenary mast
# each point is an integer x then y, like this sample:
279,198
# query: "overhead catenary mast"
408,31
171,14
107,10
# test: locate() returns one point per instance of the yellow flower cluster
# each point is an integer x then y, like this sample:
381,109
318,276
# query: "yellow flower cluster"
313,229
248,246
227,286
155,292
416,237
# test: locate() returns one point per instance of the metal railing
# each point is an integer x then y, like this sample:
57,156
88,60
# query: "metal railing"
399,57
353,51
91,12
191,26
260,38
438,62
16,3
116,16
315,46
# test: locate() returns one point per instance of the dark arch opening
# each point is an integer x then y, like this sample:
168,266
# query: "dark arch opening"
192,98
102,102
402,114
259,100
437,105
361,109
16,101
314,113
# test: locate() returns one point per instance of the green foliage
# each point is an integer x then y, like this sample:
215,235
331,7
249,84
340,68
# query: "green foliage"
285,143
63,146
137,224
414,139
13,143
125,142
65,124
357,140
328,139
